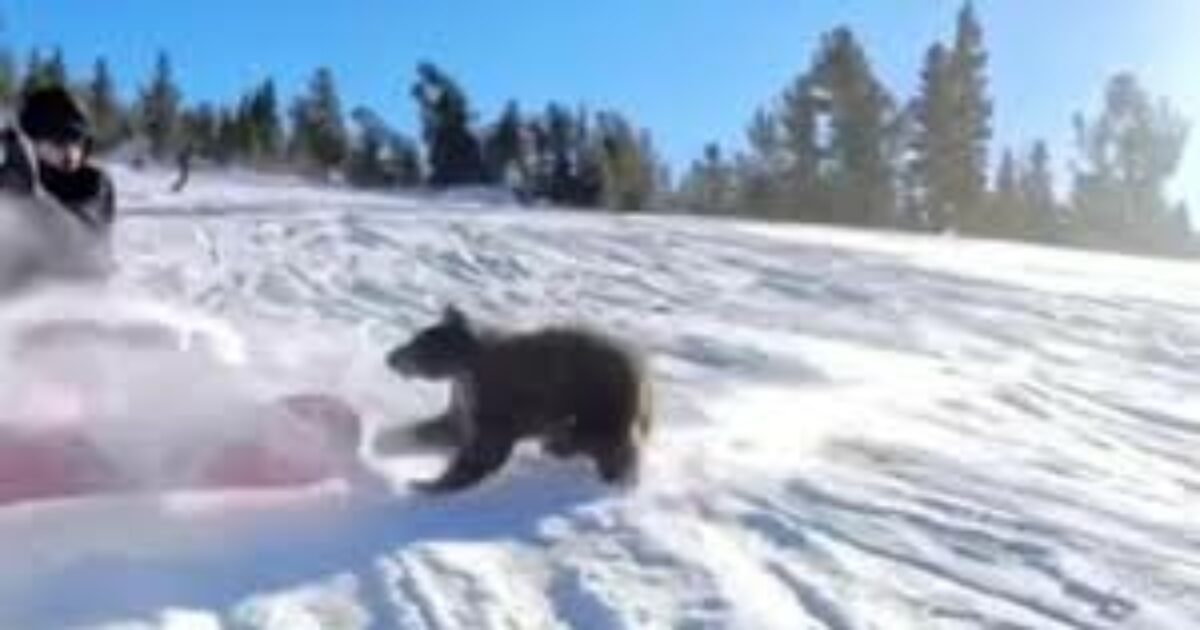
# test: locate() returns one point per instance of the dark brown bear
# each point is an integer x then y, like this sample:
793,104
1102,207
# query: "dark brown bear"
577,390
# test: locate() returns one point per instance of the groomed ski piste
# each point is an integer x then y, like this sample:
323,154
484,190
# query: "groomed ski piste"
855,429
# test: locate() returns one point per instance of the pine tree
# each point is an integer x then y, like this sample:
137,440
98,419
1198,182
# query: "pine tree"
55,70
381,157
259,131
35,75
971,120
300,125
1036,192
561,130
503,148
159,109
857,111
9,81
403,159
1128,154
331,141
952,128
629,165
540,158
708,186
589,158
827,152
787,180
556,142
933,144
265,124
228,141
454,151
901,143
575,162
40,72
242,133
762,184
1008,214
201,130
320,137
365,166
105,108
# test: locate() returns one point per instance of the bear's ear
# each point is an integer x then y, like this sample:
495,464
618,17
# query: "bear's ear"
453,316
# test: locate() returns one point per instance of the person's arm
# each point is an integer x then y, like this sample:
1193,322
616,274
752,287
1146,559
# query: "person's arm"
18,169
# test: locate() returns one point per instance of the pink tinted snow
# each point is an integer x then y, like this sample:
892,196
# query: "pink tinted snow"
314,439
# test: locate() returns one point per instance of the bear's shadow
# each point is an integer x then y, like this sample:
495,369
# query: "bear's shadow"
512,505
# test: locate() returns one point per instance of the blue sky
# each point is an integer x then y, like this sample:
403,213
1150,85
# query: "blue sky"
690,70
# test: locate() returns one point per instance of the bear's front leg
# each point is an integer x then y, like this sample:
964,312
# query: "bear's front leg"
483,456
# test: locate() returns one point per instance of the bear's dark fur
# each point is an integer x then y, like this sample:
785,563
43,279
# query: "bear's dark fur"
578,390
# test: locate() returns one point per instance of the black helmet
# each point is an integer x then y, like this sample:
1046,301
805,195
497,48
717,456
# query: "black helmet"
52,113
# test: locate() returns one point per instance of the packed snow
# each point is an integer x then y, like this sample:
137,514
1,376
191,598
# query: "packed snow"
855,429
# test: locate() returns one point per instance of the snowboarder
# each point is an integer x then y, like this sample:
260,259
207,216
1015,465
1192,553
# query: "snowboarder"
59,207
59,138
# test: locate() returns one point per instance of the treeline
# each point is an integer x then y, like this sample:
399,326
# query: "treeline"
564,155
838,147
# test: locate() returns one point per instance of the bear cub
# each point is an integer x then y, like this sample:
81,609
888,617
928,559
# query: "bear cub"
579,391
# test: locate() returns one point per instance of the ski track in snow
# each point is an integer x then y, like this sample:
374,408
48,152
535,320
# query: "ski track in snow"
856,430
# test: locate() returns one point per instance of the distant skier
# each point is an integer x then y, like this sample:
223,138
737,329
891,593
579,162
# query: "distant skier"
61,208
184,162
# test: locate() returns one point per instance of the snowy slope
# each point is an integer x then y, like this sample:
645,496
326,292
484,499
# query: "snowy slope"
858,430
